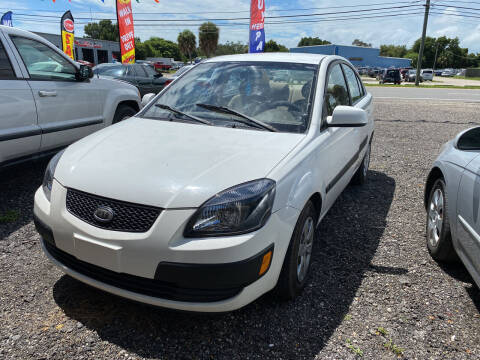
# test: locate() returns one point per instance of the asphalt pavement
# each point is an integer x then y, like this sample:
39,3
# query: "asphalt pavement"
408,93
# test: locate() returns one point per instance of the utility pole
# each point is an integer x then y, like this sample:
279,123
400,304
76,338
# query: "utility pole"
422,46
435,61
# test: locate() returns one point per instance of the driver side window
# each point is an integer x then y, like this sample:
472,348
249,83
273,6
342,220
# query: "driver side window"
336,93
42,62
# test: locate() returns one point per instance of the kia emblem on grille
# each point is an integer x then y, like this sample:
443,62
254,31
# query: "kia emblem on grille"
103,214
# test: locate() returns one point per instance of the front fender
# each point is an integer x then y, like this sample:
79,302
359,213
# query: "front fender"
121,93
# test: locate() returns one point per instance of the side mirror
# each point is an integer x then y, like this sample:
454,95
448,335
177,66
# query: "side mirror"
146,98
347,116
468,140
84,72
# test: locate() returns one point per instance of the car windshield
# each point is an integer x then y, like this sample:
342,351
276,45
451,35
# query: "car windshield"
182,70
277,94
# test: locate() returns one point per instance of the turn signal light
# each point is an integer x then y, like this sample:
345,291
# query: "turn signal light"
267,258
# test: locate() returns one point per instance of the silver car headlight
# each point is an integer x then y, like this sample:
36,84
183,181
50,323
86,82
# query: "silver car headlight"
238,210
48,177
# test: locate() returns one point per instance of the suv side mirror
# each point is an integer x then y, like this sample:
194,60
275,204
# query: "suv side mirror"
83,73
347,116
146,98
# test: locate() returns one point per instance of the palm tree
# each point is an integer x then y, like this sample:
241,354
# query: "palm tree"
187,43
208,34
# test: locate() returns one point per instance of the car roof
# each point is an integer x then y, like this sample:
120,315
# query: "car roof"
301,58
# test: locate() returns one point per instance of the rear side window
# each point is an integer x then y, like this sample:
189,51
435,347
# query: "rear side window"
355,91
138,71
337,93
111,70
6,70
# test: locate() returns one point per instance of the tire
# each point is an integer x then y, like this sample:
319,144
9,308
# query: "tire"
438,234
361,175
294,276
123,112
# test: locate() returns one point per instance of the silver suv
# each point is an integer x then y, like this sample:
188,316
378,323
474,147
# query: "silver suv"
48,101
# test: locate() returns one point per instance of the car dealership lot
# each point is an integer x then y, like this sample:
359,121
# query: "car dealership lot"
374,288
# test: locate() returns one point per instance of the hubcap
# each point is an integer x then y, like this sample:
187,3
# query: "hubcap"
366,161
305,248
435,218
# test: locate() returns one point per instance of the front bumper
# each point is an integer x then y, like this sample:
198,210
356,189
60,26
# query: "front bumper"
160,267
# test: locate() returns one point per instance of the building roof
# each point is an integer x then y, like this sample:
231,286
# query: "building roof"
302,58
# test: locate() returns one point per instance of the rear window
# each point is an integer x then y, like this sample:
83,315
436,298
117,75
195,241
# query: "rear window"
111,70
427,71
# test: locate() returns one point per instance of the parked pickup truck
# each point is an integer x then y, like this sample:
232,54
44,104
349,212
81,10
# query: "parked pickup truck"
48,101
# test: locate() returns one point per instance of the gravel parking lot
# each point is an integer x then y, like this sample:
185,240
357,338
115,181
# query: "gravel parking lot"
374,290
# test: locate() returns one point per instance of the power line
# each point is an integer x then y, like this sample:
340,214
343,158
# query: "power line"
243,18
223,12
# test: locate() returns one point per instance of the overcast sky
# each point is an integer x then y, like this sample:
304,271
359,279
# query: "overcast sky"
392,27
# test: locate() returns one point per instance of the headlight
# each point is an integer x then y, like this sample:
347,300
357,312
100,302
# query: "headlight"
238,210
48,177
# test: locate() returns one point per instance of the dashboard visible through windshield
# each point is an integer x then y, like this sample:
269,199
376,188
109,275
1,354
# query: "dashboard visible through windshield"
276,94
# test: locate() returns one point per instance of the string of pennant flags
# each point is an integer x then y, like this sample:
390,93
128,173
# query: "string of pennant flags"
103,1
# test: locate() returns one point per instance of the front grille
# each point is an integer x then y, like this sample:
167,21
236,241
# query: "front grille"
137,284
127,217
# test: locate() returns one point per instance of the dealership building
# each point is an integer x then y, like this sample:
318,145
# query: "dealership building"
91,50
357,55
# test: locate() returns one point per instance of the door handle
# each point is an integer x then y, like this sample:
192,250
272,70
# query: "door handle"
44,93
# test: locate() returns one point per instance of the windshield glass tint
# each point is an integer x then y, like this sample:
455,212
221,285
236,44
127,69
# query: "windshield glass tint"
278,94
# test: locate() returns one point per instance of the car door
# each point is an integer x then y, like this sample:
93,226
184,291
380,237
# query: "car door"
339,153
19,131
67,109
468,210
143,81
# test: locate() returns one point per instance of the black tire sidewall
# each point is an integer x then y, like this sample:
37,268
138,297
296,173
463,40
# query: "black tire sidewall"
443,251
122,112
288,285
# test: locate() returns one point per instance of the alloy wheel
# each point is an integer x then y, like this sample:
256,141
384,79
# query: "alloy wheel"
305,248
435,217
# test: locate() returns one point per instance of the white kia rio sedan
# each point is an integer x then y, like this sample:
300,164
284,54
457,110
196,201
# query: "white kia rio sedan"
210,196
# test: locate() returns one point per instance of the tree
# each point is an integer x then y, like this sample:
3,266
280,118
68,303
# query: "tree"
393,50
310,41
103,30
208,34
230,48
187,43
164,48
143,50
272,46
358,42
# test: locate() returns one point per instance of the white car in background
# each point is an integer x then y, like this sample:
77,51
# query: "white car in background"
211,195
427,74
49,101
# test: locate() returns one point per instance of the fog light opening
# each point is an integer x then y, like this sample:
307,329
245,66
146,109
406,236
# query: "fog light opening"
267,258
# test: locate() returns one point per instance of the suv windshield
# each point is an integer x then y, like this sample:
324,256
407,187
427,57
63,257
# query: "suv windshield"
277,94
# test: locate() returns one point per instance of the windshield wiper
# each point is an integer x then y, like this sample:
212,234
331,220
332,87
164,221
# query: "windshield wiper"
178,112
247,119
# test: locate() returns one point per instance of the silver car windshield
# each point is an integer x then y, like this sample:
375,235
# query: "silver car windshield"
275,93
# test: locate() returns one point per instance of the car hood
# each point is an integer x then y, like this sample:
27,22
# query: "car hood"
170,164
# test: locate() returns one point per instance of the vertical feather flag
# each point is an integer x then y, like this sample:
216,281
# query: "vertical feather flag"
126,31
6,19
257,21
67,27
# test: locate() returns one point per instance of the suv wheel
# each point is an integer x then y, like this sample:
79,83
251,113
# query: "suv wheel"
123,112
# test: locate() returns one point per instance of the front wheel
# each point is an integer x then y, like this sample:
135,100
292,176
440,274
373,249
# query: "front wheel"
296,264
123,112
439,237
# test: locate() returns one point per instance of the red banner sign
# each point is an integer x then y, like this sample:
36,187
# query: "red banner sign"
125,29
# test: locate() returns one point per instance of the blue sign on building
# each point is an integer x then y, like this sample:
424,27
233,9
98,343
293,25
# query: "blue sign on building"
357,55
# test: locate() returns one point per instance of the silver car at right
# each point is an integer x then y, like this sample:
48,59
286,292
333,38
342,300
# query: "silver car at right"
452,202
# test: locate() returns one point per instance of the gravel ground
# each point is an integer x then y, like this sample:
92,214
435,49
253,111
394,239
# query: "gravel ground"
373,289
